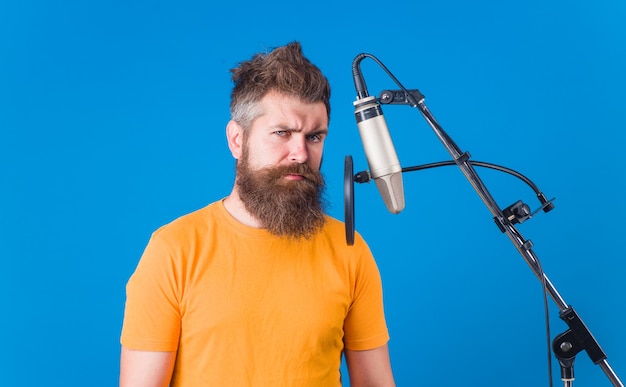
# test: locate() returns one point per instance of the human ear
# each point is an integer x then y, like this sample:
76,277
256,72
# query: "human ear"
234,135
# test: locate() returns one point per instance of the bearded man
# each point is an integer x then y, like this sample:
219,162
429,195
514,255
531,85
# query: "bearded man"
260,288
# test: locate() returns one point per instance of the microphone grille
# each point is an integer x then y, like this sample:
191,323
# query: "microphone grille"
392,191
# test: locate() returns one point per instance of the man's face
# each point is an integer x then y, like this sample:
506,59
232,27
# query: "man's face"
278,173
288,131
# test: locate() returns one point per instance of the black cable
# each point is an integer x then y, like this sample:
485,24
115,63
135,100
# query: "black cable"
533,186
546,205
483,164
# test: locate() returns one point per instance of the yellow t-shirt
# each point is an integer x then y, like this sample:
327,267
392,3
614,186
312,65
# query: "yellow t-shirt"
245,308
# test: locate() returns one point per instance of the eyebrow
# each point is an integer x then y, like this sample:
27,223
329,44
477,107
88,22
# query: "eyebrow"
289,129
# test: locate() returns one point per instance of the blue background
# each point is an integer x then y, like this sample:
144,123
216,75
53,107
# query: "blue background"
112,120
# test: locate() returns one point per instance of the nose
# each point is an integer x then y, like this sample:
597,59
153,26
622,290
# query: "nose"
298,151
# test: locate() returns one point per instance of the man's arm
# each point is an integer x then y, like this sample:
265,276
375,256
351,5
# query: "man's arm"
370,368
146,369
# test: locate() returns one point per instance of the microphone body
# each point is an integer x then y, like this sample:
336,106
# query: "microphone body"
381,155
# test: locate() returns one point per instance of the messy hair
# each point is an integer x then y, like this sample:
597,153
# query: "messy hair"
284,70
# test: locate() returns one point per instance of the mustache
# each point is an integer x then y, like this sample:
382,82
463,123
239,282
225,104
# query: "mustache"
280,171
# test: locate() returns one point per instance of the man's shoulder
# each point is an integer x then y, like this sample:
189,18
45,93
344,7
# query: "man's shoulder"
190,222
333,222
336,230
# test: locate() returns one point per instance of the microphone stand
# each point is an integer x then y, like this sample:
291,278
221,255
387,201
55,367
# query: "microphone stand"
577,337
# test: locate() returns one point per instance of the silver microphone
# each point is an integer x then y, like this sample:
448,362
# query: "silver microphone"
381,155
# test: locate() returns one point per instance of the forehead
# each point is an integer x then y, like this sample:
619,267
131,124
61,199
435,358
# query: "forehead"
280,110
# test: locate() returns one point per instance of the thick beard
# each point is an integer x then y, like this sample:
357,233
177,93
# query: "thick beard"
291,208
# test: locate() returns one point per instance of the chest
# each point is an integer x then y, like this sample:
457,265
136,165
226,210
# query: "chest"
266,291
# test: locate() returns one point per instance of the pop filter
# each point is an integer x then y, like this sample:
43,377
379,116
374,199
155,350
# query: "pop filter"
348,199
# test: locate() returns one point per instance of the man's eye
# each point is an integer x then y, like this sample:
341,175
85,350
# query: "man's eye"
315,138
281,133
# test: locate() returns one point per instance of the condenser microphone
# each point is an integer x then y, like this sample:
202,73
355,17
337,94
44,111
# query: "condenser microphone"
381,155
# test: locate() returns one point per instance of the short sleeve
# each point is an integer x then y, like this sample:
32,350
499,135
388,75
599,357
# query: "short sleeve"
152,310
365,326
